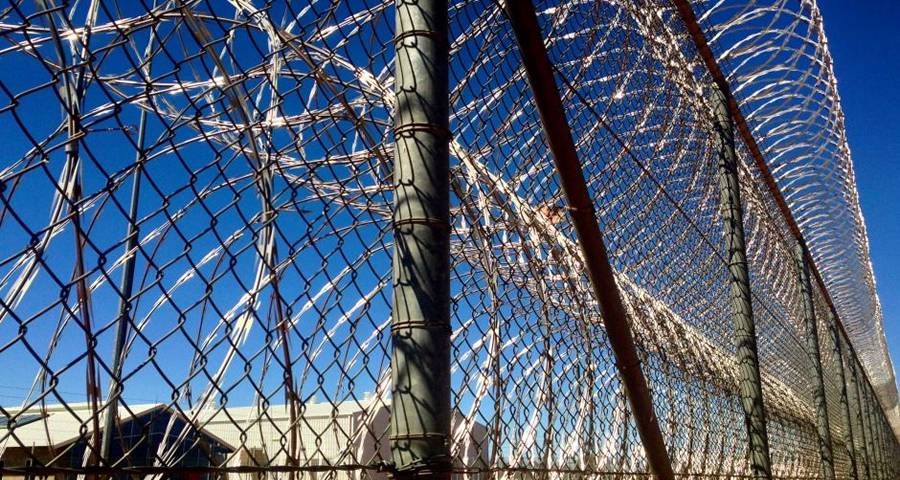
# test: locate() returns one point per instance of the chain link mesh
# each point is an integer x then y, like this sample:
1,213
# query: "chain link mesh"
195,264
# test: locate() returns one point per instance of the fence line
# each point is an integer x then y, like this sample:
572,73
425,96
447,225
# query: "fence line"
208,268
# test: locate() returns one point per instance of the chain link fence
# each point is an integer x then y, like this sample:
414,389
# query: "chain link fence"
196,241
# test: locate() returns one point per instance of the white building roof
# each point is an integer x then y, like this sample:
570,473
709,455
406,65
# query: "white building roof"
328,433
58,424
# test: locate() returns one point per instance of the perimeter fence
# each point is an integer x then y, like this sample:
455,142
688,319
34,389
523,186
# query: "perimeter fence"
200,202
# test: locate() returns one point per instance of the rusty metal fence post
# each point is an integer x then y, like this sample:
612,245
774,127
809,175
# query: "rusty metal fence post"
420,361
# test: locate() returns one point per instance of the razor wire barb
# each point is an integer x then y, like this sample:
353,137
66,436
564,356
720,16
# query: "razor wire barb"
195,242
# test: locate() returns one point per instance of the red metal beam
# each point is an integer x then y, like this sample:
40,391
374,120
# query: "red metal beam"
559,138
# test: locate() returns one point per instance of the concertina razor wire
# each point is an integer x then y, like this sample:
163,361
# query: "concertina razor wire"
195,264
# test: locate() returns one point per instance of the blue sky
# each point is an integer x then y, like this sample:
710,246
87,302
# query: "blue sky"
865,42
866,68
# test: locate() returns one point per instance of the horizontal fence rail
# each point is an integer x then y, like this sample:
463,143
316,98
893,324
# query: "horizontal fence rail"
339,239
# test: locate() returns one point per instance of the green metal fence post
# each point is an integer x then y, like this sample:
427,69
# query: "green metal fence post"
881,444
742,308
874,470
823,429
859,416
849,441
873,440
420,330
879,436
889,453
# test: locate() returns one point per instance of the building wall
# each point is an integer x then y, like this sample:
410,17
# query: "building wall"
339,439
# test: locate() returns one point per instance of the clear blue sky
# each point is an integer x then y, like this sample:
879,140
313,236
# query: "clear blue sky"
865,43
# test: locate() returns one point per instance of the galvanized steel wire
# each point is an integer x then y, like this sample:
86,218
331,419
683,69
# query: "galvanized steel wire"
211,182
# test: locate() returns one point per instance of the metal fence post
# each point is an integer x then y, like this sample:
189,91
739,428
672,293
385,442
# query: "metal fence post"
888,447
750,383
875,409
849,441
879,443
888,460
823,429
885,435
420,330
878,453
877,440
859,416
